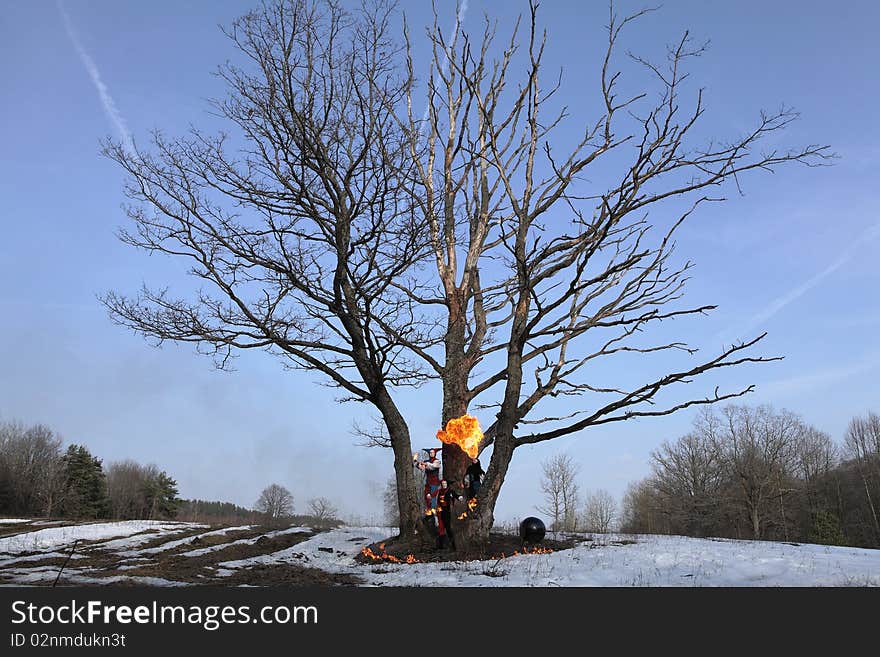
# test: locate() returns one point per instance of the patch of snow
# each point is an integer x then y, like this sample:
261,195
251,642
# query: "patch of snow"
133,566
339,540
38,557
168,529
246,541
183,541
32,575
606,560
54,538
13,521
128,579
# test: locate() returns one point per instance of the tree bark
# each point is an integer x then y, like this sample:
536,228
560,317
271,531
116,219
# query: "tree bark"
755,517
408,502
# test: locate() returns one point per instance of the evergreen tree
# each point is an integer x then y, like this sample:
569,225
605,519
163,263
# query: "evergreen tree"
160,492
826,529
85,486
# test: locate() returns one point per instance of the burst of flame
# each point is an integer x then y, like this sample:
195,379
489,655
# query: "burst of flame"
463,431
463,516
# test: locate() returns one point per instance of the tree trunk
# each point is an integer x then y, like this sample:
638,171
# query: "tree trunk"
455,405
502,449
408,503
871,507
755,517
455,389
409,509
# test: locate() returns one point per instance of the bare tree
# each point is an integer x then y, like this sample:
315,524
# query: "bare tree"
295,223
688,476
30,459
638,510
758,446
322,510
540,274
815,457
561,492
769,469
815,454
600,511
862,444
140,491
125,488
275,503
390,512
312,236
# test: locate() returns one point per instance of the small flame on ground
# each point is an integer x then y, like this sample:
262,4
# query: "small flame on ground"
463,516
384,556
525,550
465,432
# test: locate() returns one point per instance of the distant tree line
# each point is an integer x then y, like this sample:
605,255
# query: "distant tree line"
758,473
214,512
565,506
274,508
38,478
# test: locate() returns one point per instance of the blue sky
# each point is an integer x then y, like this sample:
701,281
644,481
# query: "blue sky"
795,256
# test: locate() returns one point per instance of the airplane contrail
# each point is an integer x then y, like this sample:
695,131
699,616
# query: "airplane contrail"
459,18
778,304
106,99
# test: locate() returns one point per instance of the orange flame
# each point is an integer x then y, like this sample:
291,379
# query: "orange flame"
472,503
463,431
525,550
384,556
463,516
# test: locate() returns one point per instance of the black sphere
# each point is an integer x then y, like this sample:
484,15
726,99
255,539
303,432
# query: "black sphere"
532,530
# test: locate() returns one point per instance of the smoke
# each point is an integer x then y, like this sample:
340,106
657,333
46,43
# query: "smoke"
104,96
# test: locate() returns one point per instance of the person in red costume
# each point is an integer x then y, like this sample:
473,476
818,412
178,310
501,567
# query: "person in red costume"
431,468
445,499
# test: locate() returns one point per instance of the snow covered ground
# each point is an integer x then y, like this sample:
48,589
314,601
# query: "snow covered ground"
54,538
245,541
164,547
606,560
610,560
